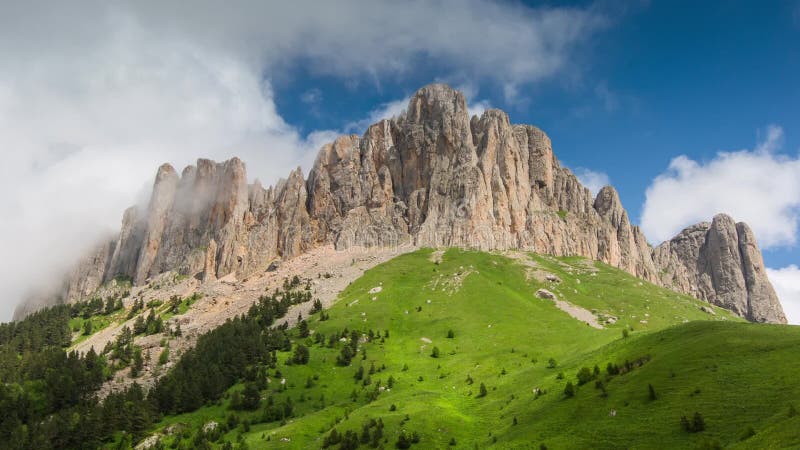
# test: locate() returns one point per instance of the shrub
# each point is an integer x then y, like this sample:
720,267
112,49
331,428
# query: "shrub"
696,425
345,356
551,363
624,332
451,334
483,391
698,422
301,355
569,389
402,441
435,352
652,392
584,376
251,397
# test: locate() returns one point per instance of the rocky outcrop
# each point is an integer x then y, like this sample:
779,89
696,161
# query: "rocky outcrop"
431,177
720,262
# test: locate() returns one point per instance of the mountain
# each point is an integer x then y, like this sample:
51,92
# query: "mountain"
431,177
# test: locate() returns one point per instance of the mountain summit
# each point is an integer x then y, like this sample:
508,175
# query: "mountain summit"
432,176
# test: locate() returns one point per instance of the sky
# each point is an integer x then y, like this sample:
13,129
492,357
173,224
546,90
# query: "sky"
687,108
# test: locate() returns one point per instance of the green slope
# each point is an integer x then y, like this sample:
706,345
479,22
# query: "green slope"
736,375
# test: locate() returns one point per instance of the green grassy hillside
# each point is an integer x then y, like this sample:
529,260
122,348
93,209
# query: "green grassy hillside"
442,330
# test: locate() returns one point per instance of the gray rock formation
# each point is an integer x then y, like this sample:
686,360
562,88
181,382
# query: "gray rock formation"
720,262
431,177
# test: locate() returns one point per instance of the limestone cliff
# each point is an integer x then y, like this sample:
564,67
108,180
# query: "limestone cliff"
431,177
720,262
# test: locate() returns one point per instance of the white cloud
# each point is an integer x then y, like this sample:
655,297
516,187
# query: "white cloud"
787,284
93,97
759,186
592,180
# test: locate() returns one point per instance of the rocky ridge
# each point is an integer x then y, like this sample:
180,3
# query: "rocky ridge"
431,177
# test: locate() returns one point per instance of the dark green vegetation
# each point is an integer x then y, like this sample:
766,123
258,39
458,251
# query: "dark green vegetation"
461,354
47,396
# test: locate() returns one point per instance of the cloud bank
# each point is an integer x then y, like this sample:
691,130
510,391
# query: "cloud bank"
786,282
758,186
94,97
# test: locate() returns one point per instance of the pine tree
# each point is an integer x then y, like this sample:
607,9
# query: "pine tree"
251,397
302,329
87,327
138,362
301,355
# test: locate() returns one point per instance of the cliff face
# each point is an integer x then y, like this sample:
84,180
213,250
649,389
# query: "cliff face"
431,177
720,262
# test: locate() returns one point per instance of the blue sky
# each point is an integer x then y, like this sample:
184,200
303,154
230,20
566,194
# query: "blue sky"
688,108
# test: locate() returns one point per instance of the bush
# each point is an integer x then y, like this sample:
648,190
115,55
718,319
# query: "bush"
451,334
652,392
402,441
435,352
624,332
551,363
569,389
301,355
584,376
696,425
483,391
345,356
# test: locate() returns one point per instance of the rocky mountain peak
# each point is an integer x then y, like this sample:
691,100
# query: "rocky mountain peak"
720,262
430,177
